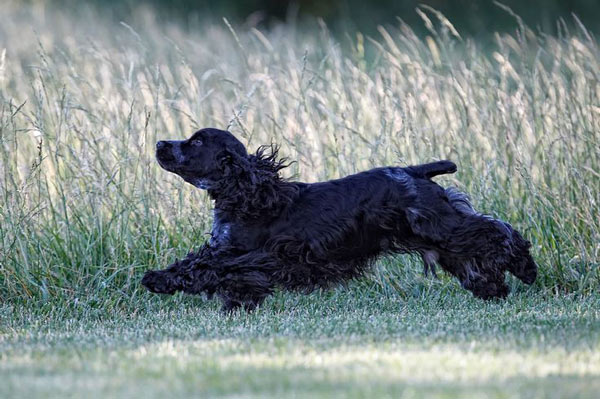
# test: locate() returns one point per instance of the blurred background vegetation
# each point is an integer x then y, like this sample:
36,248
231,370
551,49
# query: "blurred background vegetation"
479,18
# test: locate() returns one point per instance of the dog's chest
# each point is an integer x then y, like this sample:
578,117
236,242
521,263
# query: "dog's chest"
221,232
226,233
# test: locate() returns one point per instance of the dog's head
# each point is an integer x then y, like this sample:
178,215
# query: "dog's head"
198,160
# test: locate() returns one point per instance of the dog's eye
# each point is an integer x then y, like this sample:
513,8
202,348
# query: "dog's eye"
196,142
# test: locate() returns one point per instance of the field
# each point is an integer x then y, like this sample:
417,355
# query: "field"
85,209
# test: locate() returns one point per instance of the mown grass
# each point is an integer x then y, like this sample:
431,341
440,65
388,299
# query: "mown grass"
85,210
336,344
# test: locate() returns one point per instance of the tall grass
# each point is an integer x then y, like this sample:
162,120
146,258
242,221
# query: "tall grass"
84,208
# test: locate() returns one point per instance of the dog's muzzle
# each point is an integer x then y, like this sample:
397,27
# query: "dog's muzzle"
164,151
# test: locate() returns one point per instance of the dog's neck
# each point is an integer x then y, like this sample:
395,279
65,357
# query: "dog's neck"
252,189
262,201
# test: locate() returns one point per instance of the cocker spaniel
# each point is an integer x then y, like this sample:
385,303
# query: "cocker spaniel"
269,232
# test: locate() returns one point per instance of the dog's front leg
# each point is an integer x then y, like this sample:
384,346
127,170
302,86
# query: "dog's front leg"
239,280
246,280
179,275
245,289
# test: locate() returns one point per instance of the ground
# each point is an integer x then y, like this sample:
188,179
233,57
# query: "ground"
342,343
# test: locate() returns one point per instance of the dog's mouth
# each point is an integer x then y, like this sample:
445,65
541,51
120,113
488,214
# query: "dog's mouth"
166,158
167,163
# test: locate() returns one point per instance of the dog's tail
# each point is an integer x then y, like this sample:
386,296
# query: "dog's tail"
429,170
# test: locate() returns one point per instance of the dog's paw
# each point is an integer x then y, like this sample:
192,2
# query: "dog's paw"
159,282
492,290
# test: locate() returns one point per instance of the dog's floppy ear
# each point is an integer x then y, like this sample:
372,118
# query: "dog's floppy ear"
250,185
235,149
233,153
233,162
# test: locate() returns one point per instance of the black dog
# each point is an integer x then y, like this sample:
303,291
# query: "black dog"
269,232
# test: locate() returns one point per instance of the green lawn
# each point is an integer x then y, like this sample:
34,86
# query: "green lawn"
340,343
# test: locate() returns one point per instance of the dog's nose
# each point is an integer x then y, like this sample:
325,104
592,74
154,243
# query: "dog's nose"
160,145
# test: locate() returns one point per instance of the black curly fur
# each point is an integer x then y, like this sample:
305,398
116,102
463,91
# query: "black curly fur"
269,232
251,187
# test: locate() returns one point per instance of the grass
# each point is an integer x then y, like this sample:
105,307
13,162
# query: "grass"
335,344
85,210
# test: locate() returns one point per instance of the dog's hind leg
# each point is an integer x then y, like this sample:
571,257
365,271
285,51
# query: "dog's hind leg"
483,282
430,258
520,262
503,245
